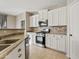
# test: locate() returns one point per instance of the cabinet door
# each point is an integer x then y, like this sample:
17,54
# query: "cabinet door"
21,54
52,41
31,21
17,53
37,21
43,14
40,15
48,40
62,13
34,19
62,43
50,18
55,17
12,55
55,42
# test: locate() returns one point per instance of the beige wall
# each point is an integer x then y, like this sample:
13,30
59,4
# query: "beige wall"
11,21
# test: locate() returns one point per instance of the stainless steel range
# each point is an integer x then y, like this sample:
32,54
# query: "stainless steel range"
40,38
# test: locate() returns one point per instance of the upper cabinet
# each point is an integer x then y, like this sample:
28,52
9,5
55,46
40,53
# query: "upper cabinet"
53,17
62,16
57,17
34,21
43,14
50,18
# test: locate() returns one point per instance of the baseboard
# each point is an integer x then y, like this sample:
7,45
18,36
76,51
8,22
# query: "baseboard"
68,56
57,50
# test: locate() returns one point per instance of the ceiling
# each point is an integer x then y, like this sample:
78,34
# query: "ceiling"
14,7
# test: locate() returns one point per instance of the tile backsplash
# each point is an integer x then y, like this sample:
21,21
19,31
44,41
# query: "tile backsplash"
53,29
59,30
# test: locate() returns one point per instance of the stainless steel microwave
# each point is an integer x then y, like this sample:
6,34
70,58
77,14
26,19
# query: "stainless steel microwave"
43,23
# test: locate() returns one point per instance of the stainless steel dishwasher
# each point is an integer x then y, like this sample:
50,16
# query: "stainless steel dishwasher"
27,47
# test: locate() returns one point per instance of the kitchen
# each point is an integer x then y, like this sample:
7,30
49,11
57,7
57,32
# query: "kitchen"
48,33
41,31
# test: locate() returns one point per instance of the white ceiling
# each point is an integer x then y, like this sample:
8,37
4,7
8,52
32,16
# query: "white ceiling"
15,7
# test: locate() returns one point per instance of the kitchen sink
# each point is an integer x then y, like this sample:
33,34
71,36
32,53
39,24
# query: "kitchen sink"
8,41
2,47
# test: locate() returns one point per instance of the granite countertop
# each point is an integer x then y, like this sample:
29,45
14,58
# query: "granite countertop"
9,34
57,33
12,29
7,50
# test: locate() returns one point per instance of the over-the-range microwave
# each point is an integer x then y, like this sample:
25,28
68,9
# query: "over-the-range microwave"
43,23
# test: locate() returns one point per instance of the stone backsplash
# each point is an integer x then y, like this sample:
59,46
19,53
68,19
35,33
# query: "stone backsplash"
53,29
58,29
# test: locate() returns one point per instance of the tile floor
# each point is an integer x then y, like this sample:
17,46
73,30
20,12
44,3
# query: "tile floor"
44,53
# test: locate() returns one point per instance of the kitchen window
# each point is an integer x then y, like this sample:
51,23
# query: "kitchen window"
3,21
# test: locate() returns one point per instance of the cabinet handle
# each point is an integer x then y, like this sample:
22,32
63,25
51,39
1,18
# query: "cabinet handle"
19,50
19,55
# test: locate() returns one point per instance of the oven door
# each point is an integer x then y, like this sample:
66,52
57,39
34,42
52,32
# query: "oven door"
40,39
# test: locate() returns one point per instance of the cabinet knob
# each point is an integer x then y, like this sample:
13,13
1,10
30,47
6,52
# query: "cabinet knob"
70,34
19,55
19,50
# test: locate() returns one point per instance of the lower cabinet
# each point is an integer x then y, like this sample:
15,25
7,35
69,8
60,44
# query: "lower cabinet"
17,53
57,42
54,42
61,43
48,40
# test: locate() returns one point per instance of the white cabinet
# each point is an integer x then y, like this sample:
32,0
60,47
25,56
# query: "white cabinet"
51,41
61,40
62,12
17,53
22,52
57,17
50,18
34,21
12,55
48,40
31,21
53,17
57,42
43,14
